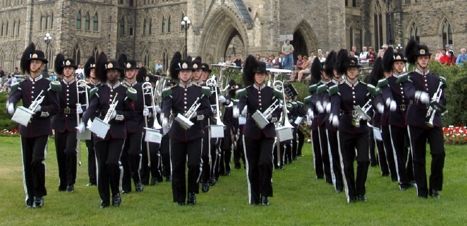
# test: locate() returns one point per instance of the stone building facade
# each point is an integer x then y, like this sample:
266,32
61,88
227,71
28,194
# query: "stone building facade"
150,30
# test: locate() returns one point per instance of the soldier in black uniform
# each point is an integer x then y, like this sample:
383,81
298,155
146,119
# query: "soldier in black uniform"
134,122
353,131
424,120
93,83
34,135
258,143
185,141
394,64
65,122
311,101
109,149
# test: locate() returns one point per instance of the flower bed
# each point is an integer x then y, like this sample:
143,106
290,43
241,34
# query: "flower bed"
455,134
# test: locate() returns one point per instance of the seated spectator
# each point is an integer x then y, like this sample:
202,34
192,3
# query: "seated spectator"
439,54
306,69
371,55
448,58
364,56
299,64
462,57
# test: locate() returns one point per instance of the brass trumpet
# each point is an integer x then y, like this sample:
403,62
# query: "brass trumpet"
184,119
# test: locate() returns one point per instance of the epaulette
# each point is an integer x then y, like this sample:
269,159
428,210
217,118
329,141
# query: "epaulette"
307,100
167,92
55,86
364,83
206,91
132,93
312,89
93,92
322,88
403,78
442,79
15,87
381,83
277,94
240,93
333,90
374,91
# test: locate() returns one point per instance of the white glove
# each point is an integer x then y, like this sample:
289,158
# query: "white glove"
422,96
393,106
235,112
38,109
245,110
380,108
320,107
165,121
146,112
79,109
157,109
388,102
113,115
335,121
81,127
119,117
222,99
89,123
328,107
44,114
11,108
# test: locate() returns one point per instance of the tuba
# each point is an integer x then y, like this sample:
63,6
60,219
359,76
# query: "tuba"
284,132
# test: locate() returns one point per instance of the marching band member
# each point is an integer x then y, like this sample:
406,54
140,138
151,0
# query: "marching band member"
109,104
65,122
37,94
427,93
331,131
93,83
189,105
394,64
353,131
134,122
258,143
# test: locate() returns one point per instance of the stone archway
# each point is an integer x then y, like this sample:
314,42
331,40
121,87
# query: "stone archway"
305,40
221,28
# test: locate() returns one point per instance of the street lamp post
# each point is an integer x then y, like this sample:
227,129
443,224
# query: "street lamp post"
186,25
47,40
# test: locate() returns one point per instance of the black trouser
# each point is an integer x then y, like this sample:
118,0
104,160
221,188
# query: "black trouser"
389,152
91,161
418,138
372,145
401,152
226,154
165,155
259,166
349,144
323,141
279,154
155,168
108,154
65,146
238,152
131,160
336,169
317,159
301,141
179,152
382,160
215,158
207,159
33,149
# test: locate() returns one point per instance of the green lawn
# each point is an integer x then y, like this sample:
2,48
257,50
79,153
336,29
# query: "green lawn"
299,199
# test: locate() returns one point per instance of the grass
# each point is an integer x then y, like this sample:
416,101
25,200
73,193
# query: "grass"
299,199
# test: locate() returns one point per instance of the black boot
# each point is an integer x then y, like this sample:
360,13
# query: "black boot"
116,200
30,202
264,200
70,188
254,199
205,187
139,187
191,198
104,204
38,202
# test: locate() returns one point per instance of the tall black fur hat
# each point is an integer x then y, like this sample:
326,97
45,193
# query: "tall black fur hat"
377,72
174,68
30,53
413,50
90,64
342,61
316,69
249,69
58,67
329,65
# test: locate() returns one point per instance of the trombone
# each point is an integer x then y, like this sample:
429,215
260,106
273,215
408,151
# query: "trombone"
284,132
217,131
81,88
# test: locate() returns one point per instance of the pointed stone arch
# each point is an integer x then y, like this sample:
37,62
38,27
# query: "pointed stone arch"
305,31
220,28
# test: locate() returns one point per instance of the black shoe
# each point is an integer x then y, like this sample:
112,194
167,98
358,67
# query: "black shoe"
191,198
434,193
30,203
264,201
181,203
62,188
404,186
361,198
352,199
70,188
104,204
38,202
422,194
205,187
153,181
237,166
139,187
254,200
212,182
116,200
